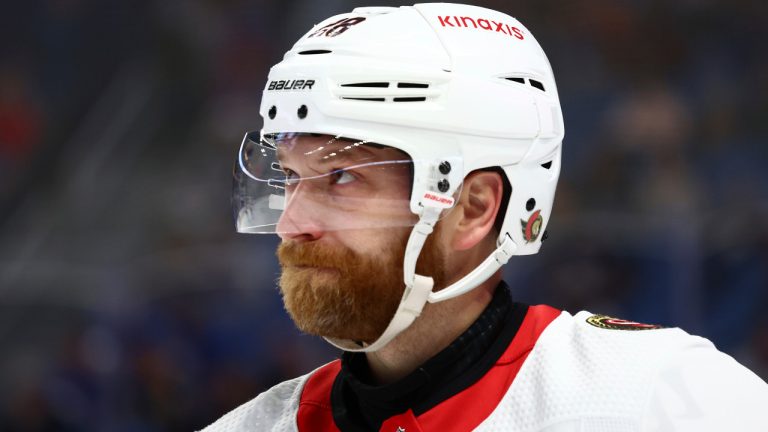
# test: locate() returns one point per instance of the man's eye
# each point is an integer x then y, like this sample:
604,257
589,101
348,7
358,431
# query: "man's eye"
342,177
291,177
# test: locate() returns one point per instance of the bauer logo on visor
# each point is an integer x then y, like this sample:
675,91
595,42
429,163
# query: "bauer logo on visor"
438,200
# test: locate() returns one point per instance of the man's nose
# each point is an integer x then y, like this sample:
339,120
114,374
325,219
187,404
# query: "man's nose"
300,219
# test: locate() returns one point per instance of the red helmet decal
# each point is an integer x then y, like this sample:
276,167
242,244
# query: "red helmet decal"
532,228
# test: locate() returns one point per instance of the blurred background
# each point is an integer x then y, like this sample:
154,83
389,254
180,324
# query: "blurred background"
128,303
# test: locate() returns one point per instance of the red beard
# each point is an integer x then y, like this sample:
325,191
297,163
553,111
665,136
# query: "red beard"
335,292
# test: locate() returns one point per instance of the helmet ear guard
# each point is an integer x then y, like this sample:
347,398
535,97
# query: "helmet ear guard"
530,203
529,180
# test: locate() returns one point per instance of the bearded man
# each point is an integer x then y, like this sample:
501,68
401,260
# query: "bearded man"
406,155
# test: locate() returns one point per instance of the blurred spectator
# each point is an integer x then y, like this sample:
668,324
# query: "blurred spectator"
21,123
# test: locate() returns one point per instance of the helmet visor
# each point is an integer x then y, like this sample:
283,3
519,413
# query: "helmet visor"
300,182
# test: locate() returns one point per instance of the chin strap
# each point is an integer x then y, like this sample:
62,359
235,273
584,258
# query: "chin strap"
480,274
418,289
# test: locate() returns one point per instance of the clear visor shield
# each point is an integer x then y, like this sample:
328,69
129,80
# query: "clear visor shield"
303,183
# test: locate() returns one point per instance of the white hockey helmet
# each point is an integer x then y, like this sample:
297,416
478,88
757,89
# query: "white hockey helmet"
455,87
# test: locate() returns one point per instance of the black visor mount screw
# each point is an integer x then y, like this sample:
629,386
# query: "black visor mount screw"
445,167
530,204
302,112
272,112
443,185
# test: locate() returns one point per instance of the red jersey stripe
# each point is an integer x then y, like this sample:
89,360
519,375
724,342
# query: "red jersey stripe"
465,411
315,413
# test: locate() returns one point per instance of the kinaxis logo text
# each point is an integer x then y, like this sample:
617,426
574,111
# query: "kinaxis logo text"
480,23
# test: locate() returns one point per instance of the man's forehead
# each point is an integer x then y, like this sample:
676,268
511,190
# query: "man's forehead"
328,148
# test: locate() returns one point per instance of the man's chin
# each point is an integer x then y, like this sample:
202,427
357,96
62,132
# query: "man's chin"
345,335
338,294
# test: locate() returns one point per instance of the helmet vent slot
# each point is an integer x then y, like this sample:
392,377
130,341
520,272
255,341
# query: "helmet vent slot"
369,99
315,52
536,84
367,85
412,85
520,80
385,91
547,165
409,99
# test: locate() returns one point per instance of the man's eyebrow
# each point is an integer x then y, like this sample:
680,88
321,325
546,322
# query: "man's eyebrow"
344,153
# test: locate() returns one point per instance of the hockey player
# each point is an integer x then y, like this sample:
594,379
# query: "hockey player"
406,155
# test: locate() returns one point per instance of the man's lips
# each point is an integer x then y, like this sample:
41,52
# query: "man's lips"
308,267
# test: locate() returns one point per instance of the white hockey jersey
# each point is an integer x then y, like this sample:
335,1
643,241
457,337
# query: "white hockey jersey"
560,373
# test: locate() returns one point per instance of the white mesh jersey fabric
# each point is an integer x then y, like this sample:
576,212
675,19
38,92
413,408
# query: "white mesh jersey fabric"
706,390
272,411
582,378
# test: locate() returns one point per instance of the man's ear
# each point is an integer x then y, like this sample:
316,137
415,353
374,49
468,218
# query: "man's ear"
475,213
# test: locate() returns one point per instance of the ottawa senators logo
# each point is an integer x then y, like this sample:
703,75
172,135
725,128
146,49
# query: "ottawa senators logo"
532,227
610,323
